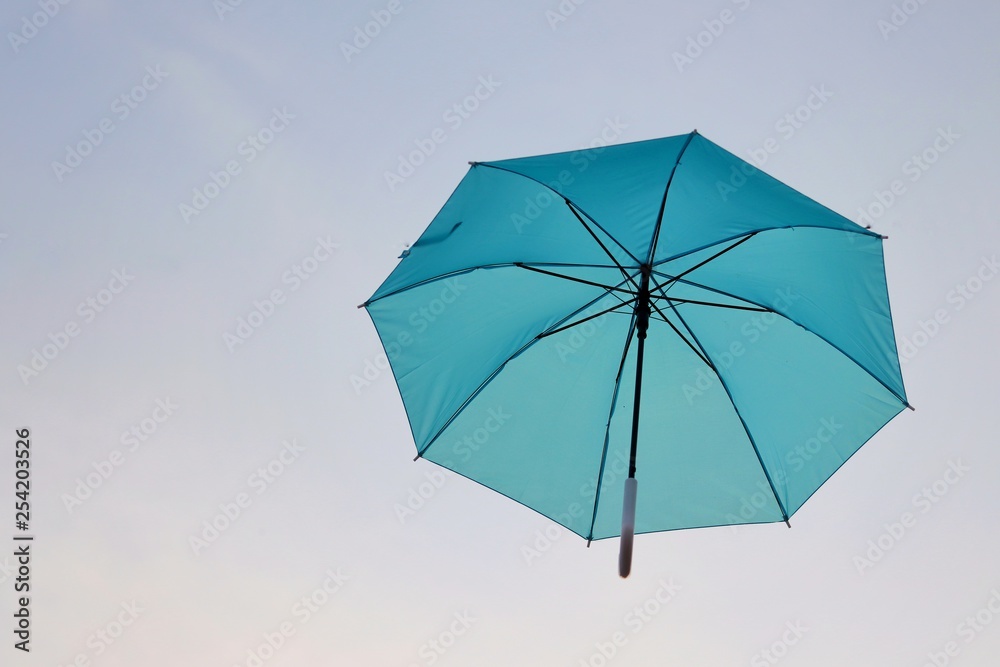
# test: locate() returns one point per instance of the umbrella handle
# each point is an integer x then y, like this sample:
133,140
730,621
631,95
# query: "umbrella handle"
628,528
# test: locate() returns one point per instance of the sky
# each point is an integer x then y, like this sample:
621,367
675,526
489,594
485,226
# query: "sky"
196,197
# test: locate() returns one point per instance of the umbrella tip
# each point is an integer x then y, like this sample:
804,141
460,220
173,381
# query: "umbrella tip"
473,164
787,523
362,305
911,407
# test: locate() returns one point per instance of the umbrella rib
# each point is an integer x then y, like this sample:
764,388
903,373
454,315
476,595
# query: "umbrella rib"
546,185
717,305
799,324
586,319
576,280
467,401
732,401
682,336
607,429
496,371
470,269
607,292
710,289
676,330
861,232
706,261
601,243
663,203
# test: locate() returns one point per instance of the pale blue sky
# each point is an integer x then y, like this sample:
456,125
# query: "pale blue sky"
326,513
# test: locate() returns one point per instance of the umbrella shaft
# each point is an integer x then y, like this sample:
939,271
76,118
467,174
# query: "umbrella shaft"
641,325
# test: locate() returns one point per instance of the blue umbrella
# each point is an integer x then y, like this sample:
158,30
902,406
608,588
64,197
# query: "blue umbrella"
662,311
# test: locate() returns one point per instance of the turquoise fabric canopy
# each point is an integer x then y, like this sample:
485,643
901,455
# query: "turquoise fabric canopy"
512,329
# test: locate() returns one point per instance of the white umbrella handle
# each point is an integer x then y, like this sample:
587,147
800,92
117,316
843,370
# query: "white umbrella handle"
628,528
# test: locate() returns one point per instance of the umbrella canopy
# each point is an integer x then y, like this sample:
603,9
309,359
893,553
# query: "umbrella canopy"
516,329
